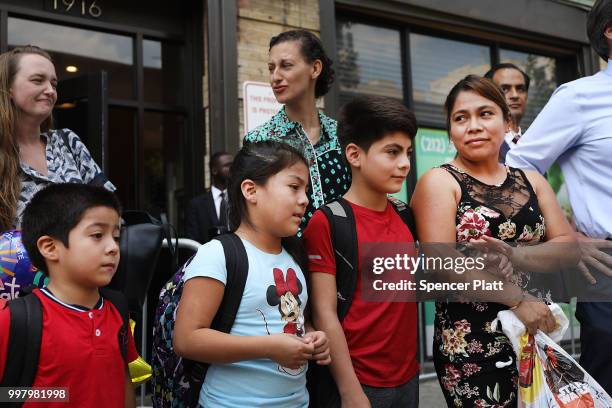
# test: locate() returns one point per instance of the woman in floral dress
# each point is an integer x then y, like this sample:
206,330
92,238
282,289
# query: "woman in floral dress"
300,73
467,199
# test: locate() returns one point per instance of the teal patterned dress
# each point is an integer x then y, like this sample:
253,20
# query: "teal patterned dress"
330,176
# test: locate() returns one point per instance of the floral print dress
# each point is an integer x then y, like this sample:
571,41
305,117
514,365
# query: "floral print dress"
476,366
330,176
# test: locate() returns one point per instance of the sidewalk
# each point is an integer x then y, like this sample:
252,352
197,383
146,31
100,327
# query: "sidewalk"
430,394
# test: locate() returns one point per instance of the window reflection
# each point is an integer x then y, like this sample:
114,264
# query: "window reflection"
437,64
162,165
122,154
368,61
86,50
541,71
152,54
161,61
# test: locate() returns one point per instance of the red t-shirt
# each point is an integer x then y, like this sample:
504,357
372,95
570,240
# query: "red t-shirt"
381,336
79,350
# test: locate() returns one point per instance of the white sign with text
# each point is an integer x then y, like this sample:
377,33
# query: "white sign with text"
259,104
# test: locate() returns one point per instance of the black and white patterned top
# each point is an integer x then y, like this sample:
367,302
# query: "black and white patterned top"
65,164
330,176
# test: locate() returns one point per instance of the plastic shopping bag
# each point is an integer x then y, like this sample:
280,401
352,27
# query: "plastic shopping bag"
548,376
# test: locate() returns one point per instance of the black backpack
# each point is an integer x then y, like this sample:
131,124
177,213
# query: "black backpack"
177,381
343,231
25,336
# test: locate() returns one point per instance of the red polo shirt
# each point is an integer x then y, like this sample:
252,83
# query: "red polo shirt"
79,350
381,336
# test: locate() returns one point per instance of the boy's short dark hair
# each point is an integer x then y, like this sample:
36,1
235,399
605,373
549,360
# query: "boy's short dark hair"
56,210
367,119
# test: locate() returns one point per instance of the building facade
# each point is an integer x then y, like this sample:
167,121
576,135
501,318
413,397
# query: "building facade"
154,87
416,50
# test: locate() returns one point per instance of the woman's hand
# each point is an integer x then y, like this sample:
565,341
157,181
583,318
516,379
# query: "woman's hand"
498,255
321,346
535,315
290,351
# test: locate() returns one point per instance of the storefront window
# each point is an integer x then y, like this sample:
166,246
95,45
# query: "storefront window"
76,51
161,62
368,61
436,65
122,153
162,164
541,71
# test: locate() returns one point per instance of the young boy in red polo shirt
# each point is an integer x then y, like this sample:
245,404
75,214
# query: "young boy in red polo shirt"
72,232
373,350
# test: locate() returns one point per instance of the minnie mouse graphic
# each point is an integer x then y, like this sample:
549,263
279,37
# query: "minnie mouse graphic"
285,294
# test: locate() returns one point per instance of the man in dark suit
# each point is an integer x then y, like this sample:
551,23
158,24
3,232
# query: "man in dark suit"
207,214
514,83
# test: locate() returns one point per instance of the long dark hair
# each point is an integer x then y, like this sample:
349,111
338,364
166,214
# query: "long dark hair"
312,50
258,162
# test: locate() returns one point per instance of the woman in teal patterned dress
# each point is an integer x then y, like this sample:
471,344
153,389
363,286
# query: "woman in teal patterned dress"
476,198
300,73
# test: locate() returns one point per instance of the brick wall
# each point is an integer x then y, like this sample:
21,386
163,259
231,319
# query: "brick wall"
258,21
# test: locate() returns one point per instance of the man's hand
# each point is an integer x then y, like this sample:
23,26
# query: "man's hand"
592,255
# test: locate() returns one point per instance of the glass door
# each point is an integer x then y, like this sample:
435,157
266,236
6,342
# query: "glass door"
82,107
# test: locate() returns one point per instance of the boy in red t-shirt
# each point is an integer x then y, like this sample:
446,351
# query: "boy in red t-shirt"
72,232
373,350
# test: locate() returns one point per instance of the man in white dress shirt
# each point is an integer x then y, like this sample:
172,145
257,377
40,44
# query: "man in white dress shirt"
575,129
207,214
514,83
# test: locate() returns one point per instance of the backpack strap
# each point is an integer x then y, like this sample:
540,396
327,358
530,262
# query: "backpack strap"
237,267
120,302
405,212
25,334
343,233
344,241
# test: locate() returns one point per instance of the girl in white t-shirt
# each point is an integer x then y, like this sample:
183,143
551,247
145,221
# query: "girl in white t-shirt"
263,360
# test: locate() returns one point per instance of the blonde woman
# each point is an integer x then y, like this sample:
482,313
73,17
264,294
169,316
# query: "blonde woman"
32,153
